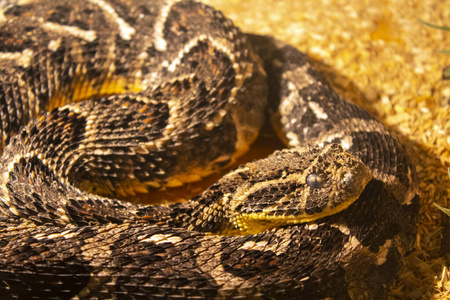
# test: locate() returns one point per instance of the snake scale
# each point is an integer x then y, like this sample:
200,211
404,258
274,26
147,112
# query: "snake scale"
174,91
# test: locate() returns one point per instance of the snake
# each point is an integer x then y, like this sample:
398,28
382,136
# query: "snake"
100,100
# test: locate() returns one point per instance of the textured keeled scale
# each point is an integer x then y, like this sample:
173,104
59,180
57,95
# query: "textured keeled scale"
174,92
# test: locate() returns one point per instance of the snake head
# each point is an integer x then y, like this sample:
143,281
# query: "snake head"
295,186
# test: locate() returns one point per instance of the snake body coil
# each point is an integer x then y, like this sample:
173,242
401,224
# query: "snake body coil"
158,93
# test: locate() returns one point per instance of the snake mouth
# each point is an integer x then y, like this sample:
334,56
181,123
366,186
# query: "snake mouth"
255,223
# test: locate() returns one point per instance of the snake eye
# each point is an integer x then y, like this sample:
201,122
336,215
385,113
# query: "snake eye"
314,181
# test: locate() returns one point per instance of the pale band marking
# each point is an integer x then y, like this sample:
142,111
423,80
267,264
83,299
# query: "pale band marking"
126,31
220,44
303,79
87,35
22,59
384,250
187,48
54,45
264,246
317,110
350,247
342,228
346,141
252,245
158,34
162,238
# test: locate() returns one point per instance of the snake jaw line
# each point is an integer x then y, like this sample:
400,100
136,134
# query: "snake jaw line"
258,222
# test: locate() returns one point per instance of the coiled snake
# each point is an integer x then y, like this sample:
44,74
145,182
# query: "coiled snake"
175,92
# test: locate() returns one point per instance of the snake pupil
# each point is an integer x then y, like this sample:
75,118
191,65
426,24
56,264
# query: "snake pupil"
314,181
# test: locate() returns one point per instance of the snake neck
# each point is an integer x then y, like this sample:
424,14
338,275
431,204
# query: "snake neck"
204,213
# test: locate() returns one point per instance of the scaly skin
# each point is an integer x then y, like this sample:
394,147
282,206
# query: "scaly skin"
174,91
